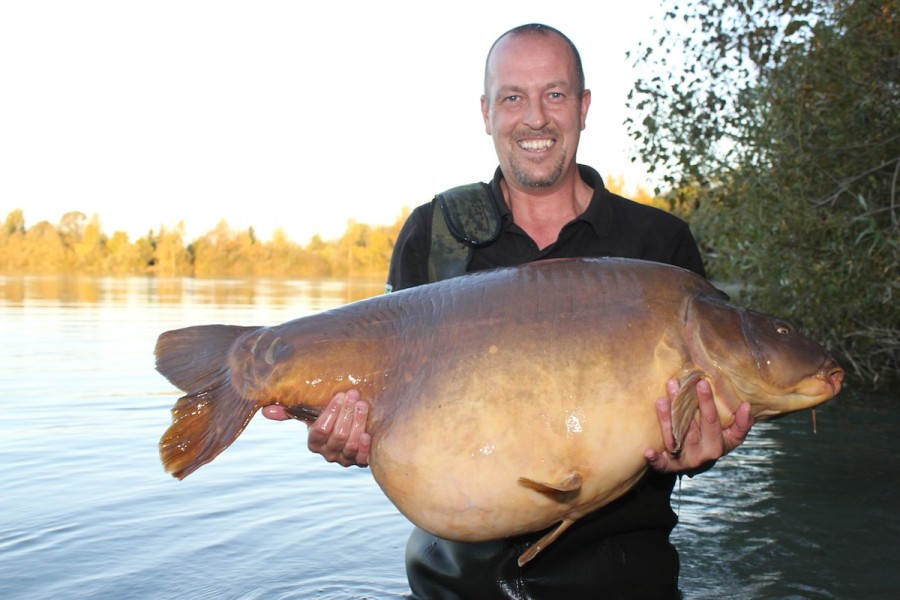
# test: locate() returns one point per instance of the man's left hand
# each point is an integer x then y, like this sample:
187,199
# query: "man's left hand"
705,442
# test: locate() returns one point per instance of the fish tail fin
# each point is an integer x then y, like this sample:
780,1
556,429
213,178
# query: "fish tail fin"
213,413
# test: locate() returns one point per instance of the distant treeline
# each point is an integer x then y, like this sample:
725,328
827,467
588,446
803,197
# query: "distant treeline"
79,245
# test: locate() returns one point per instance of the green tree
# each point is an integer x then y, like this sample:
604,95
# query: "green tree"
781,129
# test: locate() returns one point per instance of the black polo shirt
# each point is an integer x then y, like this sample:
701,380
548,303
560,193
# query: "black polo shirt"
611,226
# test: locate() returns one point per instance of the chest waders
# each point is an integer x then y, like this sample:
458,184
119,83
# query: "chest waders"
464,218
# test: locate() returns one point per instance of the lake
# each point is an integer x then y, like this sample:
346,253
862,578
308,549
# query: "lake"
88,512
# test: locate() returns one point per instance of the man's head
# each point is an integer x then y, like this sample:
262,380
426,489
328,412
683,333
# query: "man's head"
535,105
538,29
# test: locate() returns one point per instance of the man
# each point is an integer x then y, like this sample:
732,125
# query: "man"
535,106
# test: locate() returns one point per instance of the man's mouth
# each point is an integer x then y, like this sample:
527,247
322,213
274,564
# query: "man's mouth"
541,144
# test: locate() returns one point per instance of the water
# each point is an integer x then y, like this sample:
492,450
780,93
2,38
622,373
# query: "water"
87,512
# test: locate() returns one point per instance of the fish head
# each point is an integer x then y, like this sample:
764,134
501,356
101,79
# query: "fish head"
757,358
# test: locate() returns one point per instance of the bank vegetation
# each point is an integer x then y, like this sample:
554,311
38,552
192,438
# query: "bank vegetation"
776,124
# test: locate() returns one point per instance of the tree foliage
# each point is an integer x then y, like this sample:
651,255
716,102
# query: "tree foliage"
77,244
778,126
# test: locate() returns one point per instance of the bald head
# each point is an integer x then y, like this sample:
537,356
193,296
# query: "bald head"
537,29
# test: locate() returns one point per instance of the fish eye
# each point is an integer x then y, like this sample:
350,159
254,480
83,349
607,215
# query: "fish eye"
783,329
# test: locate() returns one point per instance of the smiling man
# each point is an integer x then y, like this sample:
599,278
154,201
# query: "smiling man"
535,106
541,204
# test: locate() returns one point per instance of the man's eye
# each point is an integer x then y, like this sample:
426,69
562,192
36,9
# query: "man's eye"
557,95
512,98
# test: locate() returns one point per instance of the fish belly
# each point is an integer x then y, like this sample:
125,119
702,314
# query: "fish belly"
508,407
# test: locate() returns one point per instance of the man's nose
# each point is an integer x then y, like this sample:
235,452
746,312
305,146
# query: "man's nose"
536,117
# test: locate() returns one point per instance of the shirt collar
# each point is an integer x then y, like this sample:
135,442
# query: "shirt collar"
598,213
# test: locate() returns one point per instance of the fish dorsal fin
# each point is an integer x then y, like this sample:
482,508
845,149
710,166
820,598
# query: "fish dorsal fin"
545,541
684,407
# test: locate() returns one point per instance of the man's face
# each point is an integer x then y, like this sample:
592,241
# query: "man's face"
533,110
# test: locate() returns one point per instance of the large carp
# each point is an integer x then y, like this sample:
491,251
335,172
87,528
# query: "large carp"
505,401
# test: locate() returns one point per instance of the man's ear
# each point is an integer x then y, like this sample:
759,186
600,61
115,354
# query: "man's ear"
485,110
585,105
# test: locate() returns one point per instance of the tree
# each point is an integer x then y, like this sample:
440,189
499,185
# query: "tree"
124,257
79,245
15,222
91,251
71,228
44,250
170,257
783,134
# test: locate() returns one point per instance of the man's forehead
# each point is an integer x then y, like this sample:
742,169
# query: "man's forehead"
512,46
525,54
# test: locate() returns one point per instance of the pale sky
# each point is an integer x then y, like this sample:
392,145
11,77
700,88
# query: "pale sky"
274,113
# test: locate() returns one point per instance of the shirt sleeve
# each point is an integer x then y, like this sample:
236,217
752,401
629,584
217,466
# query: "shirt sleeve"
685,252
409,260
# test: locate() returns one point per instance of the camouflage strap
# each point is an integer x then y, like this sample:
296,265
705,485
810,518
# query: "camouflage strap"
467,219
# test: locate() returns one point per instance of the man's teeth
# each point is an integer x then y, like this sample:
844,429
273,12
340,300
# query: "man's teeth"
535,144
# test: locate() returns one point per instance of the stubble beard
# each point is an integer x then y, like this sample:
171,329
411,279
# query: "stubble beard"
522,175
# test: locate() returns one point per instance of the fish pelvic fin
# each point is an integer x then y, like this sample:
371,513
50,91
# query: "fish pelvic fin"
212,414
545,541
304,413
684,407
563,491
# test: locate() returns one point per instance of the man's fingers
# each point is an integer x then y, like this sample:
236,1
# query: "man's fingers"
735,435
321,429
275,412
352,425
658,461
365,444
339,434
664,413
709,416
672,387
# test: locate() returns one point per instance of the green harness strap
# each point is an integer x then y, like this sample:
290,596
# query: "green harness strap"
464,218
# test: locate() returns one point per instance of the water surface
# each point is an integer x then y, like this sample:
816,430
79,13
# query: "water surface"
87,511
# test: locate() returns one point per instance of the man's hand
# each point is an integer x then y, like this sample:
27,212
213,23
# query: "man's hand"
705,442
339,434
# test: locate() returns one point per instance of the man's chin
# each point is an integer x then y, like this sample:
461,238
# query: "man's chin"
536,179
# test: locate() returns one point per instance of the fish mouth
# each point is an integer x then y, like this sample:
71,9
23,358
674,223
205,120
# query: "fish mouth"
833,375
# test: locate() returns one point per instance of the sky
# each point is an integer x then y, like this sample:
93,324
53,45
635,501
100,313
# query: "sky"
274,113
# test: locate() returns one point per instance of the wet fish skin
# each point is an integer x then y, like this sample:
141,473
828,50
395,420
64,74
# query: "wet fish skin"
505,401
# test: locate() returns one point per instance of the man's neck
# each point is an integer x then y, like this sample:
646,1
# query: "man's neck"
542,213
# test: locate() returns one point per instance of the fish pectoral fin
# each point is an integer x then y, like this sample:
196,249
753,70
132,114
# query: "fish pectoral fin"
545,541
685,405
304,413
565,490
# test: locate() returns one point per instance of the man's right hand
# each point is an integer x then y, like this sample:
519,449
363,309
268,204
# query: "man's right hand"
339,433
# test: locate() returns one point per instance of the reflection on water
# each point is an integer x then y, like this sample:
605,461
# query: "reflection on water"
798,514
316,294
87,511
